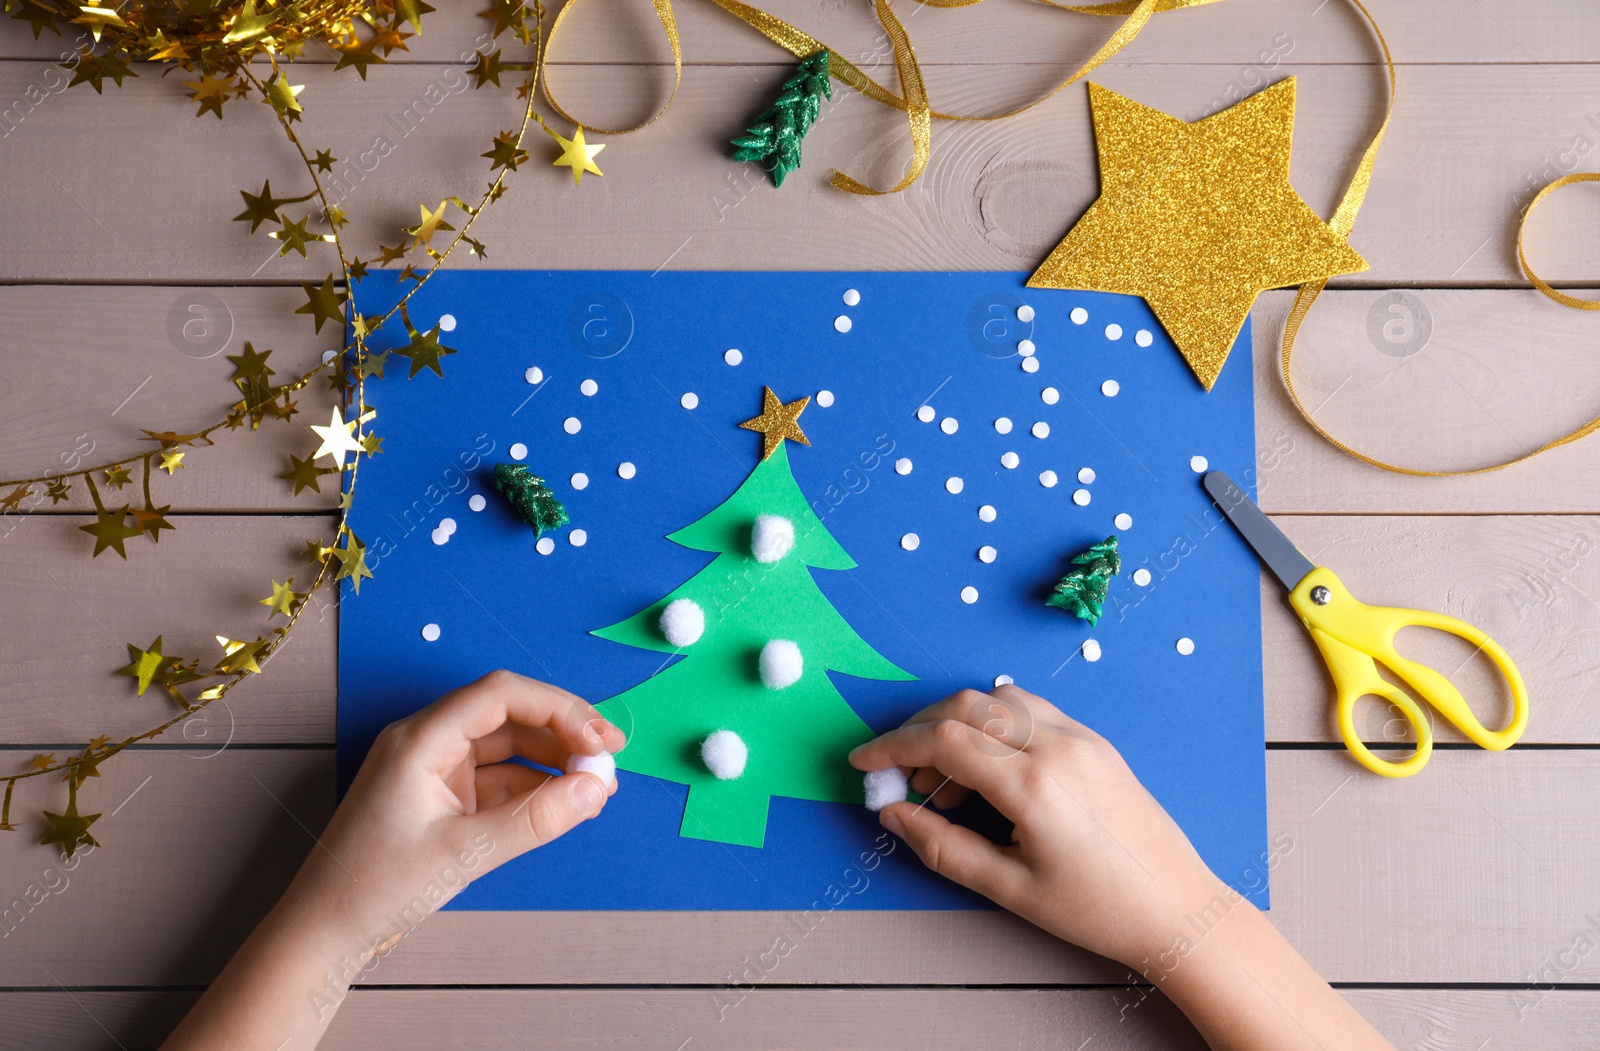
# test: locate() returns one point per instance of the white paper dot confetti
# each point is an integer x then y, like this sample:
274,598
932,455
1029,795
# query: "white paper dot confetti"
1024,313
626,470
440,536
578,537
444,530
1049,395
902,465
825,398
926,414
545,545
733,355
1041,430
518,451
851,297
1185,646
1009,460
580,481
949,425
690,400
969,594
1141,577
1003,425
329,355
910,541
1086,475
1026,348
1199,464
1143,337
1123,521
477,502
841,323
987,513
1079,315
589,388
1003,680
1030,364
953,485
1091,650
1110,388
430,633
572,425
1113,331
987,554
1081,497
1047,479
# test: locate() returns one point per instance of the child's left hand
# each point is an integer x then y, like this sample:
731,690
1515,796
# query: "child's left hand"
436,805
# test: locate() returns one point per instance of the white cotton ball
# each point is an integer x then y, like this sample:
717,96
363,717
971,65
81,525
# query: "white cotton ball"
725,754
603,766
885,787
781,664
683,622
772,538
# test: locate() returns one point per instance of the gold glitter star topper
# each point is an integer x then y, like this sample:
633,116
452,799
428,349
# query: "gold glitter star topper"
777,421
1197,219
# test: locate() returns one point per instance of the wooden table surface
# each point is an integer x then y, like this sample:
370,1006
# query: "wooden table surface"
1458,909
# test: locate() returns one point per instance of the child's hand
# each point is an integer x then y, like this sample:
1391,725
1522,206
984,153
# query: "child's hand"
435,804
1094,858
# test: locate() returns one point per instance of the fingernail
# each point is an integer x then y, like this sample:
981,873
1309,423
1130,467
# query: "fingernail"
587,795
891,822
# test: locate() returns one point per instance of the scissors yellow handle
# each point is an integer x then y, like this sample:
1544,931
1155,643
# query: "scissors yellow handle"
1355,638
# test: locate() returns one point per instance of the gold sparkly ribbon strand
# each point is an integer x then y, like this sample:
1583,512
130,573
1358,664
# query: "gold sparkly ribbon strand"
914,101
1538,282
669,24
1343,220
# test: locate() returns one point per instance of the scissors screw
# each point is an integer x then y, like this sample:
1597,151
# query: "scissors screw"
1320,595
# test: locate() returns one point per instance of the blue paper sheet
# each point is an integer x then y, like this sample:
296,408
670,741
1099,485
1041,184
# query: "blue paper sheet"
1190,725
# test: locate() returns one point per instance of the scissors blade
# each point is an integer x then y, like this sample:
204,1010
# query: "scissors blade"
1271,546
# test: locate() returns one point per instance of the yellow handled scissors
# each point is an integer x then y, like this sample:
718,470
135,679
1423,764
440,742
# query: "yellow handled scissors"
1355,638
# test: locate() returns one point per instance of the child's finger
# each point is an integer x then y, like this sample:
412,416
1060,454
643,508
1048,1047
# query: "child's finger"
1007,717
481,707
973,758
532,819
940,790
499,782
957,853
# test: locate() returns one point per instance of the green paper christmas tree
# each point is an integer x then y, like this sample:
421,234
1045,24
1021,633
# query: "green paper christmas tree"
798,737
533,501
774,139
1082,592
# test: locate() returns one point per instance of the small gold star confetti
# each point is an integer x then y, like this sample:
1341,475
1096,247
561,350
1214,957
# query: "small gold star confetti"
777,421
1197,219
576,154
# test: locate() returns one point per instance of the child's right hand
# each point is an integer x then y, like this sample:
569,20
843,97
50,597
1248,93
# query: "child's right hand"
1094,860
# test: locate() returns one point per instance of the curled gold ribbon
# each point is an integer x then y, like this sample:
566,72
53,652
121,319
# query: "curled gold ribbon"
668,23
1538,282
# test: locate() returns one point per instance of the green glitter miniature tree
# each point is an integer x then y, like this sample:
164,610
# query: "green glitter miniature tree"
1082,592
533,501
774,139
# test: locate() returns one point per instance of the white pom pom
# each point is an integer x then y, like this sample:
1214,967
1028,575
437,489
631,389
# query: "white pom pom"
772,538
781,664
603,766
683,622
725,754
885,787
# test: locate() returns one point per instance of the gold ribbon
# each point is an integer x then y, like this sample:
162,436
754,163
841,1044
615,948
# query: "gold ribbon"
668,23
1539,282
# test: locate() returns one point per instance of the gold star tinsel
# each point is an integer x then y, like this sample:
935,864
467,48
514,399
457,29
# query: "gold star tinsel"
1197,219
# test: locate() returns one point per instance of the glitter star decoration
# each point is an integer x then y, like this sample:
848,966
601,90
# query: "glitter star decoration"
1197,219
778,420
576,154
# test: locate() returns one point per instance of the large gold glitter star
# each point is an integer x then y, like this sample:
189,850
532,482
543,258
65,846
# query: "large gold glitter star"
777,421
1197,219
576,154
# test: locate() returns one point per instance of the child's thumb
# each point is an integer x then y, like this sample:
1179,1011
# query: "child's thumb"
523,823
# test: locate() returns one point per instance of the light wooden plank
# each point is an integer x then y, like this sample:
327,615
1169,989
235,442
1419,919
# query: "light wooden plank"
1468,871
66,617
87,368
1233,33
1467,143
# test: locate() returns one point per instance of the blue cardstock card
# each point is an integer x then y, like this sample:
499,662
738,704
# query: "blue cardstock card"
912,378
